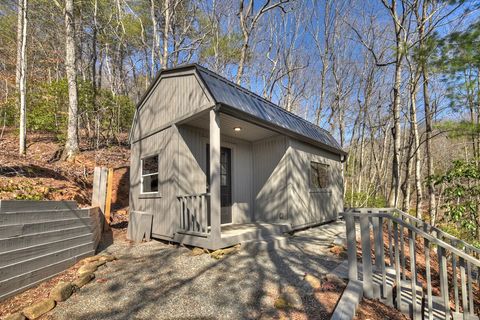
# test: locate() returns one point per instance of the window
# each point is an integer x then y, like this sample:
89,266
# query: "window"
319,175
150,174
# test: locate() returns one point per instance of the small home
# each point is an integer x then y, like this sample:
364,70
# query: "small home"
213,164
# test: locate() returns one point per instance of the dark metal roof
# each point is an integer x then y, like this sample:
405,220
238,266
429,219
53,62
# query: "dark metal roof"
234,96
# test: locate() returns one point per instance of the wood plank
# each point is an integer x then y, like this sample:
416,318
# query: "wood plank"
351,247
443,273
366,257
39,238
7,206
397,264
40,261
22,282
18,255
41,216
108,198
15,230
413,273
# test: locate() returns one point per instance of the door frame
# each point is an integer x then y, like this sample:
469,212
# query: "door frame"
232,147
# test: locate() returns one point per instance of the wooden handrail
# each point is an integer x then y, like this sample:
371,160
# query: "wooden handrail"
417,220
426,235
452,260
194,214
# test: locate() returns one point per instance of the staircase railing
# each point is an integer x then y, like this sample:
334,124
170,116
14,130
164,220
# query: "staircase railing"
194,214
399,237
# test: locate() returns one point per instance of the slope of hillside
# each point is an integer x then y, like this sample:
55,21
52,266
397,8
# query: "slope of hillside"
40,175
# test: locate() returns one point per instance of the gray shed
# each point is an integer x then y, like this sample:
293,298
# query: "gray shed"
213,164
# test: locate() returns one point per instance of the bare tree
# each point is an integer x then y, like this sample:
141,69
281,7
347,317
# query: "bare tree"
248,22
71,145
22,72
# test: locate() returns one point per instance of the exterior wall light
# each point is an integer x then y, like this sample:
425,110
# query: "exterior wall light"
237,129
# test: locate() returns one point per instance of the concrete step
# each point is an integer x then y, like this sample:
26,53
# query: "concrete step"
29,265
41,216
42,237
15,230
14,256
24,281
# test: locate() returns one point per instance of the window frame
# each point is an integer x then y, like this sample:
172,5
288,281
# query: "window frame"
142,192
312,188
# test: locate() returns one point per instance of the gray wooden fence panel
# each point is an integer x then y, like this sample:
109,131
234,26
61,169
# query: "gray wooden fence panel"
29,205
42,240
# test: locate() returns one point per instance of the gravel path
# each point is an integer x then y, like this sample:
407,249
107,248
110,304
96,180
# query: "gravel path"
156,280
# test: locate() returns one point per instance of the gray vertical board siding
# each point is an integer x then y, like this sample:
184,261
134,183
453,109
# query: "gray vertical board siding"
192,180
160,205
36,245
170,99
270,179
304,205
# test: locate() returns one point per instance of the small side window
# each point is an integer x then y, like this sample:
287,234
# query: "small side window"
319,175
150,174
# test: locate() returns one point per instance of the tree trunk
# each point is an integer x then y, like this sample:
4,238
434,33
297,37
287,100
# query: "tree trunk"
71,146
432,207
166,34
22,74
396,131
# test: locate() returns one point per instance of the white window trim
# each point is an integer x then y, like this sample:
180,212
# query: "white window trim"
148,174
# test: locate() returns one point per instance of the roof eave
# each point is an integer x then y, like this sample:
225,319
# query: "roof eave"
227,109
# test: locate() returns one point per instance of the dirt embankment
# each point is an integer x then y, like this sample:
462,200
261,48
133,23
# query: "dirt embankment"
41,175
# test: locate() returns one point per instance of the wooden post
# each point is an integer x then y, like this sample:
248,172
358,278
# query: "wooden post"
108,200
351,247
215,205
366,257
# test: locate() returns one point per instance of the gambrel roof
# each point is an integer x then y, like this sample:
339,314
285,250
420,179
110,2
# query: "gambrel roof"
238,101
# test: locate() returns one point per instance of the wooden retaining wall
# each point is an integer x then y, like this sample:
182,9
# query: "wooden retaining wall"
39,239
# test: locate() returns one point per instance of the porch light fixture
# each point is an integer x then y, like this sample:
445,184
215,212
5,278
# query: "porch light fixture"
237,129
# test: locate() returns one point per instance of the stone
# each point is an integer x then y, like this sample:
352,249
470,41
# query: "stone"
91,259
87,268
313,281
99,263
335,280
218,254
107,258
40,308
340,241
288,299
15,316
197,251
62,291
83,279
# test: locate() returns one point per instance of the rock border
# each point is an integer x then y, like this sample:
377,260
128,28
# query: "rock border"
63,290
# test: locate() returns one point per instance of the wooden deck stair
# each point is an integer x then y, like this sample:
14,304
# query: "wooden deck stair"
390,284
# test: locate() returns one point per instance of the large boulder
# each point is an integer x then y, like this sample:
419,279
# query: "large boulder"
40,308
15,316
83,279
62,291
87,268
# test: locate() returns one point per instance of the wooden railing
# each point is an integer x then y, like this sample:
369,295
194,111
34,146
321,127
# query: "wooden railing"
395,235
194,214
